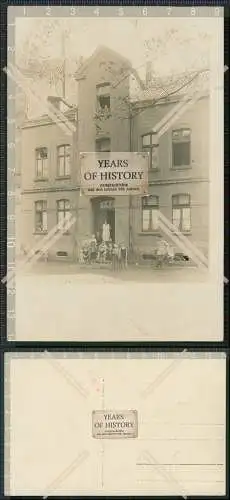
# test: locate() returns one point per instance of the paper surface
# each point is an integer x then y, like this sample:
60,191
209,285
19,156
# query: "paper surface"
151,82
180,402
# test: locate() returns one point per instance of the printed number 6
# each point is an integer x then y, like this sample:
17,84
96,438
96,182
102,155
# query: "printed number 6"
145,11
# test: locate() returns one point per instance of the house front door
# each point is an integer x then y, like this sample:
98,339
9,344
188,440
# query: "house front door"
103,212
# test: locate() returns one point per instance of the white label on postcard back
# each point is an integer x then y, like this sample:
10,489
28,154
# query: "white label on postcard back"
108,424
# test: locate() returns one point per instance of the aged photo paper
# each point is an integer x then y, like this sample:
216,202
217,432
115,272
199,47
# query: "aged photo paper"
115,173
105,424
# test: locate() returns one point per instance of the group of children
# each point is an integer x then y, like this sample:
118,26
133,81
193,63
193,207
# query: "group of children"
101,249
98,250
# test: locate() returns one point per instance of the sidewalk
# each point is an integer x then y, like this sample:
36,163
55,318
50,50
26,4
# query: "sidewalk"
137,273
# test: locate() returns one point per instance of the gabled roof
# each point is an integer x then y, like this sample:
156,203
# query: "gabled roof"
46,119
101,49
175,85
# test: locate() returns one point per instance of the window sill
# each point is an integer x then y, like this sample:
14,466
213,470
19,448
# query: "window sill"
149,233
158,233
62,177
182,167
40,233
66,233
184,233
41,179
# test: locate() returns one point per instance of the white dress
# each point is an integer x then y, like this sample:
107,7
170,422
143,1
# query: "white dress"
106,232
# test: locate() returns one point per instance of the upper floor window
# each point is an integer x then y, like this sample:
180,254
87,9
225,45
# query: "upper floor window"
150,213
181,148
41,216
63,211
63,160
103,97
41,163
103,146
150,145
181,212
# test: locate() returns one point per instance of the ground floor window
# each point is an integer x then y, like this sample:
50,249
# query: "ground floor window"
150,213
40,216
63,211
181,212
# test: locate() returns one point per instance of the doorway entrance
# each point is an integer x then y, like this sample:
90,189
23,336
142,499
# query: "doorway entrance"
103,211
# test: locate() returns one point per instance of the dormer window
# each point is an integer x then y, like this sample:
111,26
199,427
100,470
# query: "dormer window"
103,98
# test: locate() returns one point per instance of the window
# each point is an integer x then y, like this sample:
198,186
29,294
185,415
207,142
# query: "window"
181,212
103,146
63,211
63,160
181,148
150,145
103,97
61,253
40,216
106,205
41,158
150,212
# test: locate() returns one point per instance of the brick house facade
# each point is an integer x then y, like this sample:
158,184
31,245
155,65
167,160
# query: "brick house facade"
107,120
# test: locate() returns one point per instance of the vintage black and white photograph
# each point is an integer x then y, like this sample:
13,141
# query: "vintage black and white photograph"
118,173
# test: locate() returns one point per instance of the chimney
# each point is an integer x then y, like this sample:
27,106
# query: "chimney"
148,74
54,101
